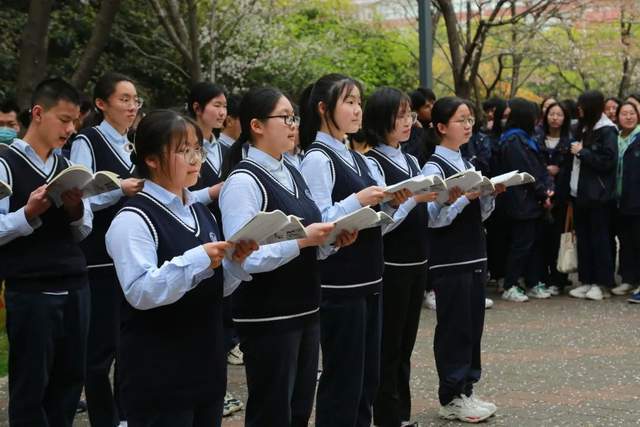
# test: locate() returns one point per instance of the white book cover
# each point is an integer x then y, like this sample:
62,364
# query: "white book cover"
360,219
512,178
465,180
417,185
80,177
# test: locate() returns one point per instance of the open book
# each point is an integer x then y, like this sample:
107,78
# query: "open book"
361,219
508,179
417,185
80,177
270,227
465,180
5,190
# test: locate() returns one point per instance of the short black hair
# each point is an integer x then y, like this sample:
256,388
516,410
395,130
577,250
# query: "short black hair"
420,96
202,93
523,115
8,106
380,113
50,91
233,105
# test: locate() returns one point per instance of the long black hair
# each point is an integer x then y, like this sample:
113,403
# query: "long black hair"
591,103
524,115
380,114
328,90
442,111
104,88
565,128
258,103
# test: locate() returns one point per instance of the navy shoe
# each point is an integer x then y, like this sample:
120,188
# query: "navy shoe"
634,298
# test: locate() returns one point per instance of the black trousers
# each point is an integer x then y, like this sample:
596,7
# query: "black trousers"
209,415
401,306
629,235
231,338
460,314
524,258
497,241
350,339
104,331
281,370
551,232
593,234
47,356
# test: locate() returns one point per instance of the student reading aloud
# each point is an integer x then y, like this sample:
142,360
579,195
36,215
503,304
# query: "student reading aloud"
47,297
277,312
458,269
172,269
342,181
105,148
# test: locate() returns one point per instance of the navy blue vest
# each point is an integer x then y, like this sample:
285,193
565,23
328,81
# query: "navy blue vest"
461,245
209,176
173,356
408,243
283,298
49,258
355,270
105,158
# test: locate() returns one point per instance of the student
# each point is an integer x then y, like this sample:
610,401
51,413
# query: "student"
46,292
342,181
478,150
555,145
276,313
628,197
168,255
207,105
524,204
9,124
387,121
611,105
458,269
592,187
106,147
421,141
231,127
634,98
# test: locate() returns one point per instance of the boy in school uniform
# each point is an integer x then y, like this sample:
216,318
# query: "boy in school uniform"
47,297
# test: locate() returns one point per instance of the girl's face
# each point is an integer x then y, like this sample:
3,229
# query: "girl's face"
214,112
277,134
555,117
348,112
459,128
183,160
610,109
405,118
628,118
122,106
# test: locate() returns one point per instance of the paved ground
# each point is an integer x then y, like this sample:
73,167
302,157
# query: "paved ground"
560,362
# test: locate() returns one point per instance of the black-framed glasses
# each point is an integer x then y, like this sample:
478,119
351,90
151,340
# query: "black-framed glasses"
288,120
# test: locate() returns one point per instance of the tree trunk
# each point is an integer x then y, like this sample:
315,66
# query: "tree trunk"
97,42
32,64
461,85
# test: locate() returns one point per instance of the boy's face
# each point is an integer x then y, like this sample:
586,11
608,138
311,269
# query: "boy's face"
424,112
55,125
9,120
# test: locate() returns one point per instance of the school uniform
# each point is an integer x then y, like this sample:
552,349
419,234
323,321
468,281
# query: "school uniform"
458,269
171,359
592,187
628,182
294,160
46,294
478,152
277,312
210,174
225,140
405,275
351,309
524,207
102,148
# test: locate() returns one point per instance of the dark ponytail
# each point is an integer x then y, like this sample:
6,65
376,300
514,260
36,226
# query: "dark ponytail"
328,89
591,103
104,88
258,103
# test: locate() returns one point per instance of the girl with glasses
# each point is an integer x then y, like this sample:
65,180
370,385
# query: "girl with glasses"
170,260
99,148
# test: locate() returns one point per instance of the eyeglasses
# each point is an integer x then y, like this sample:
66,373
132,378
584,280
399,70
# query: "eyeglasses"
288,120
411,116
468,121
135,102
193,155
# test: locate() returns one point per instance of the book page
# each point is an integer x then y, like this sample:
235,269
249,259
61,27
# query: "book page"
292,231
73,177
364,217
465,180
417,185
5,190
103,182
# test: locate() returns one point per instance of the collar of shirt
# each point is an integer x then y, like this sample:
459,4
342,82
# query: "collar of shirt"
274,166
24,147
338,146
452,156
225,139
112,134
392,152
170,200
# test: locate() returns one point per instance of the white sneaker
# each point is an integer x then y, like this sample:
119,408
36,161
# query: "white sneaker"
595,293
554,290
580,291
514,294
235,356
487,405
488,303
539,291
622,289
464,409
430,300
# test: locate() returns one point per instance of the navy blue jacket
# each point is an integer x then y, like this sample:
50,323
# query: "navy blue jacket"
629,201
